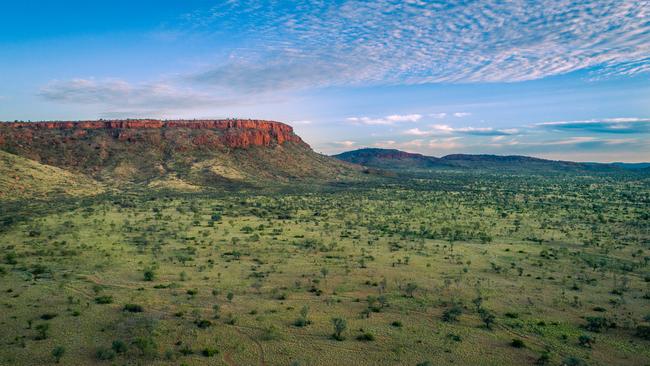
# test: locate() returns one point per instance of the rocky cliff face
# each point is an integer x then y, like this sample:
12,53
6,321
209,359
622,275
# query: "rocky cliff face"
140,150
199,133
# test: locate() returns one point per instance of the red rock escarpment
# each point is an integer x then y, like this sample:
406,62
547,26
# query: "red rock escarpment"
232,132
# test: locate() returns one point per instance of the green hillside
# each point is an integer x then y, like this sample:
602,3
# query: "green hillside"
22,178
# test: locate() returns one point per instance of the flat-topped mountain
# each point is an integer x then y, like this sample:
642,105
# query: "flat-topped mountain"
227,133
185,153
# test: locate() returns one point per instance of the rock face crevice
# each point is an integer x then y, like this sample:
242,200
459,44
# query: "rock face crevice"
231,133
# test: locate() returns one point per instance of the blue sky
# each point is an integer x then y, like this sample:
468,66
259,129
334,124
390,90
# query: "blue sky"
557,79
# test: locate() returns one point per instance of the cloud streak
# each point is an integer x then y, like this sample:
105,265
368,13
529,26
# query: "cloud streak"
119,97
387,120
606,125
440,129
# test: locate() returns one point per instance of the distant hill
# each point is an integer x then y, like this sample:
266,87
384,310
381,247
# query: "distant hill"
633,166
179,154
24,178
388,159
392,159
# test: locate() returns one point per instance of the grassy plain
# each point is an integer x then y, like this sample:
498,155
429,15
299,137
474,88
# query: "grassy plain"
458,269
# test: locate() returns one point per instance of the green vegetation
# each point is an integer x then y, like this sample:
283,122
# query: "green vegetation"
452,268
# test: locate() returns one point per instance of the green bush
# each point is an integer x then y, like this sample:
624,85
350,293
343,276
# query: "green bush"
105,354
104,299
366,337
452,314
518,343
209,352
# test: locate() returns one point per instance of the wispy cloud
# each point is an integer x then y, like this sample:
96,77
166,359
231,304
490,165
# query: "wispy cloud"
387,120
462,114
347,143
606,125
118,95
354,42
439,129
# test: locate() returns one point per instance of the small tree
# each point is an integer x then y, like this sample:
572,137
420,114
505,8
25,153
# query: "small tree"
119,346
340,325
487,317
57,353
42,331
452,314
149,274
410,289
585,341
302,320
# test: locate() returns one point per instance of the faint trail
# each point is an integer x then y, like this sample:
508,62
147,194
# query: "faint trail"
257,343
228,359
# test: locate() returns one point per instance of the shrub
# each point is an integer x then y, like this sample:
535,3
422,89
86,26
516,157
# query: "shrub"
452,314
340,325
643,331
133,308
48,316
543,359
104,299
209,352
396,324
104,354
42,330
149,275
270,333
573,361
119,346
57,353
367,337
585,341
487,317
203,323
518,343
146,345
598,324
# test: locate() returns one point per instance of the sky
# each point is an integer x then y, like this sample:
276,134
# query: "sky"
558,79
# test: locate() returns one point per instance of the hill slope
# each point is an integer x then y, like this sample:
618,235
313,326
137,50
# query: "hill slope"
24,178
397,160
183,154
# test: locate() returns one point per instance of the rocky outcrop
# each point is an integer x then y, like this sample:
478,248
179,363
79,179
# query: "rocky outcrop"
231,133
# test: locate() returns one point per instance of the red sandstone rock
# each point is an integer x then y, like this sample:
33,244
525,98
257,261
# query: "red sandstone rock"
233,133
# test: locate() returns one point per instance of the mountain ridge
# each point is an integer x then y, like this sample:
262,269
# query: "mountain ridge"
393,159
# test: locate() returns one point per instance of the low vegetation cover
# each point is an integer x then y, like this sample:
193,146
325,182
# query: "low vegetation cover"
456,268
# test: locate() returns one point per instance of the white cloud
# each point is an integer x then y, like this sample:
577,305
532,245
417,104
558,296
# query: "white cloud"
416,132
442,129
438,115
346,143
387,143
462,114
445,143
388,120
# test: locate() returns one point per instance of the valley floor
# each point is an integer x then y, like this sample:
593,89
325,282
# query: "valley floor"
460,269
